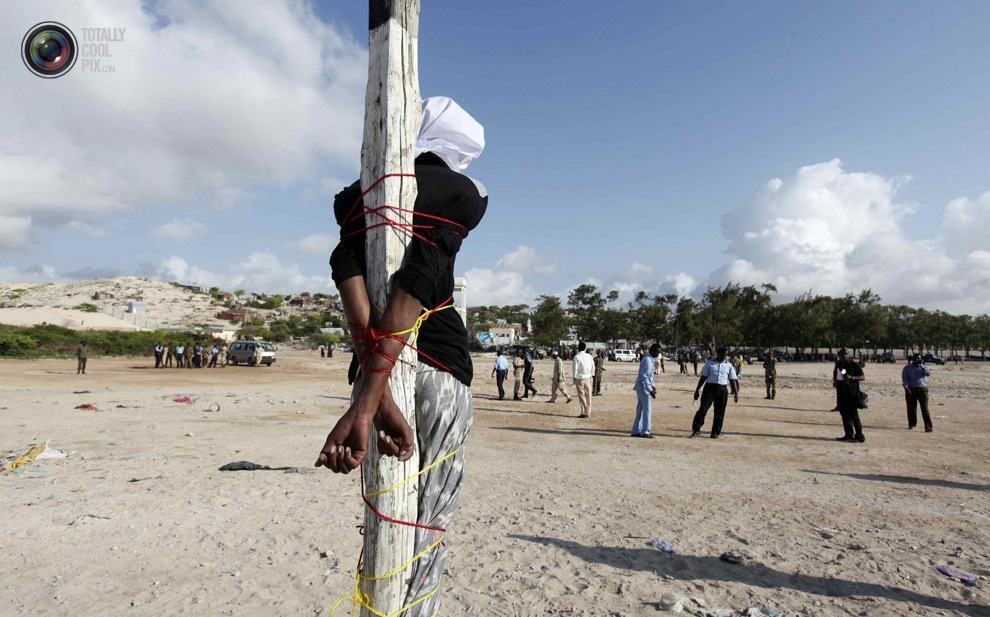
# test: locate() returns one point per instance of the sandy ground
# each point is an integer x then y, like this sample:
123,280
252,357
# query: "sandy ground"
67,318
555,516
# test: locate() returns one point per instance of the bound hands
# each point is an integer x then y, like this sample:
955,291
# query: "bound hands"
346,446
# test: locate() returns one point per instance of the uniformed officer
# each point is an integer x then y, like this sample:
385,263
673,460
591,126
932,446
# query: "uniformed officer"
528,375
557,379
717,377
82,356
770,375
596,381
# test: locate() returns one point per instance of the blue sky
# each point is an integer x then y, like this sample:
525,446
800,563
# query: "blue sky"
619,139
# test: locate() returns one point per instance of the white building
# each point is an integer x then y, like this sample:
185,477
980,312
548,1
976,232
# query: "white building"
503,335
460,297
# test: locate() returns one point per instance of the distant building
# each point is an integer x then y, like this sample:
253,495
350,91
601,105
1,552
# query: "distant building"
460,297
504,334
234,315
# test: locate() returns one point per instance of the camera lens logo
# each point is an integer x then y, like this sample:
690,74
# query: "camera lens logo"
49,49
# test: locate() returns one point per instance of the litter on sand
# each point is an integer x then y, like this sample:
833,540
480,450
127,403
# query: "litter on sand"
38,452
211,409
662,545
249,466
182,400
86,407
960,575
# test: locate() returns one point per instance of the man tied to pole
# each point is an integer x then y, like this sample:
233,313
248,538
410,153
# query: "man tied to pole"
448,206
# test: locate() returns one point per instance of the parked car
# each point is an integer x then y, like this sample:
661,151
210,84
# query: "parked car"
625,355
242,352
930,359
887,357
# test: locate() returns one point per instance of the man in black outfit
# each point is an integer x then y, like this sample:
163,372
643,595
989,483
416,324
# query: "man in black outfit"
717,377
848,374
528,375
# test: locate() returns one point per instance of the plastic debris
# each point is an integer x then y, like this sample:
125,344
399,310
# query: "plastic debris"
960,575
662,545
182,400
21,458
86,407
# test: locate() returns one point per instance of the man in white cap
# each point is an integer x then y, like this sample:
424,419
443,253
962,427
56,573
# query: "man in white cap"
557,379
448,206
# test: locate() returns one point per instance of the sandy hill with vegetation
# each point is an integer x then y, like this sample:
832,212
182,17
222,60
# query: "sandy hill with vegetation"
104,304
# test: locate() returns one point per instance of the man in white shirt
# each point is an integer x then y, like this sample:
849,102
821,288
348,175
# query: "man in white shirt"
717,376
584,371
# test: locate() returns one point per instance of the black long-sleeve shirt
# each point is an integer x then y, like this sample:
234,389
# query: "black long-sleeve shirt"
427,273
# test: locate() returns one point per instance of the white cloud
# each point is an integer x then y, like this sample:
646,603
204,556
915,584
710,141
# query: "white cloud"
34,274
207,100
261,272
681,284
180,230
86,228
525,260
14,232
507,282
832,231
316,244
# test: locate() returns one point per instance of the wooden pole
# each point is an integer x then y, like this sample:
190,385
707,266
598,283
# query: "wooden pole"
391,123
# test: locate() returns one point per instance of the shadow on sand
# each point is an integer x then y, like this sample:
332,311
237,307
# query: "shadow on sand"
696,567
963,486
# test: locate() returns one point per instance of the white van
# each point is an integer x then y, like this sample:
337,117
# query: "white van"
625,355
242,352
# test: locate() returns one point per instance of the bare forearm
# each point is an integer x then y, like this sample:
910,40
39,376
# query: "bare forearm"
400,314
357,311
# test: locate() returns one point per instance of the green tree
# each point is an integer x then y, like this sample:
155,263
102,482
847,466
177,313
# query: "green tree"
549,321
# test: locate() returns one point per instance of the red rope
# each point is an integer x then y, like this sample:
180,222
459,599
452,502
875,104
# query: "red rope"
409,228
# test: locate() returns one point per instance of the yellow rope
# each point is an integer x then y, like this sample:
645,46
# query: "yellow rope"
358,597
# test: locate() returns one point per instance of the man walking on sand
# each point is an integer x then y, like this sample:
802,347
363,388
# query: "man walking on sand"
82,355
584,370
848,375
257,354
528,374
770,375
914,378
717,376
499,372
645,393
557,379
517,374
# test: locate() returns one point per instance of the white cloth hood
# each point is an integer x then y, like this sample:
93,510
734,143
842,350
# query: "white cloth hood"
449,132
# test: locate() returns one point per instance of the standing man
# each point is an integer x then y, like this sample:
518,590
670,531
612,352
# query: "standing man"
770,375
557,380
159,352
257,354
848,374
198,356
596,384
528,374
694,360
499,371
517,373
82,355
180,355
190,350
645,393
168,356
214,355
717,376
223,354
323,350
914,377
584,370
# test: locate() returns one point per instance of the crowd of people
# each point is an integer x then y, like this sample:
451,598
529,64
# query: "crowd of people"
192,355
719,377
